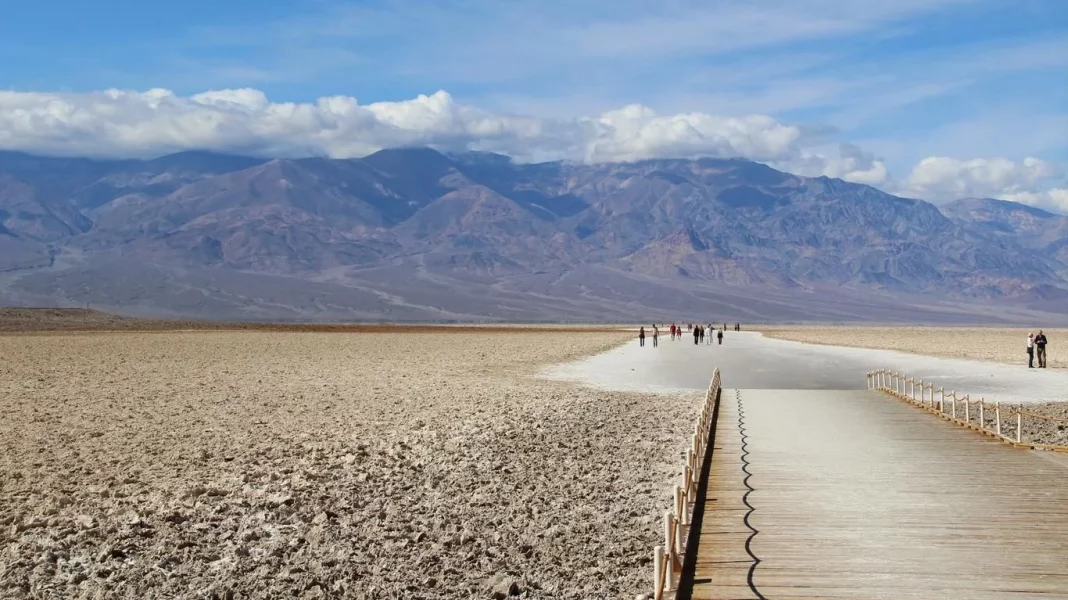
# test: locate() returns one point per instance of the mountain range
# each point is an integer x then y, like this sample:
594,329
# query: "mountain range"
413,234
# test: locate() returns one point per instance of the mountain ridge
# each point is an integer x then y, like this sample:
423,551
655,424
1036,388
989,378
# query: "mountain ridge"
402,222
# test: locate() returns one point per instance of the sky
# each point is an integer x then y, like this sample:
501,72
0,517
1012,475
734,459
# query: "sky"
934,99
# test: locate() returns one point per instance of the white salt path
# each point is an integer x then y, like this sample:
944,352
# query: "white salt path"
751,361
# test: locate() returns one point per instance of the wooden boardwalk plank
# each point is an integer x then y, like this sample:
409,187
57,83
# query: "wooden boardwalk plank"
857,495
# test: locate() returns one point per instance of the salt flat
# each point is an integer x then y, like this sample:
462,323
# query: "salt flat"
357,465
990,344
749,360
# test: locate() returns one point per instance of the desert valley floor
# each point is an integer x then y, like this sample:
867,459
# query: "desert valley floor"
256,464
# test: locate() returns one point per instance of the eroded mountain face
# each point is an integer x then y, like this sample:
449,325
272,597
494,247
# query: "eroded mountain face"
420,232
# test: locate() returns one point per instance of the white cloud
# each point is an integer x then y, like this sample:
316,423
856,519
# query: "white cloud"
851,164
120,123
1055,199
124,123
944,178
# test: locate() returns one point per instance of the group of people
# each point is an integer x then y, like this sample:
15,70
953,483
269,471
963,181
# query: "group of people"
699,332
1036,348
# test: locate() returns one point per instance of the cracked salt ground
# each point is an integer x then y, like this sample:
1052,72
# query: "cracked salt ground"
262,465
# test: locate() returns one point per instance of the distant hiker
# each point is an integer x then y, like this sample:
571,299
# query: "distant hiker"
656,334
672,331
710,330
1040,349
737,326
641,337
1030,350
701,333
696,334
719,336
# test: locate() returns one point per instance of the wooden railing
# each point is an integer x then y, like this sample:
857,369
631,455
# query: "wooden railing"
1005,423
668,559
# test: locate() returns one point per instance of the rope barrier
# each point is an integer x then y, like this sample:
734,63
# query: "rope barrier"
668,559
893,383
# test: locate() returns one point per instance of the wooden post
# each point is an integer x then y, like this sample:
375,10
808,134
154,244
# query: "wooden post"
678,502
941,397
678,544
658,572
669,543
997,416
1019,423
684,516
953,403
982,414
912,388
968,409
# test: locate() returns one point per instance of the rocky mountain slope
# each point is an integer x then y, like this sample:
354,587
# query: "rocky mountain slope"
416,234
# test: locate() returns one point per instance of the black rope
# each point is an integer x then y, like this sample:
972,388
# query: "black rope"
745,498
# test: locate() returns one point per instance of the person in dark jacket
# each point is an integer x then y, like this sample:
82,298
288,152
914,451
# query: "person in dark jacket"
719,336
1040,349
641,337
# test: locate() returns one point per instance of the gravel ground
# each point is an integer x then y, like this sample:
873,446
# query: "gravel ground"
307,465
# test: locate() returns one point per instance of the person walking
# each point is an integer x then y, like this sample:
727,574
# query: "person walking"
672,332
719,336
696,334
1030,350
656,335
641,337
1040,349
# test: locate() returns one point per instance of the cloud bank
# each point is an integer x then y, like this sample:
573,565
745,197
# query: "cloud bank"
124,123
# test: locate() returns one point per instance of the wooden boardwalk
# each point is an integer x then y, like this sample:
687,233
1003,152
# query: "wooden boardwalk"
859,495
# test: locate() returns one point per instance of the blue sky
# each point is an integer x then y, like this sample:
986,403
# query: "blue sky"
902,80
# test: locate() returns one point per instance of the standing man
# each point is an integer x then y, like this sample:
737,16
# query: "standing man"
1030,350
641,336
1040,349
719,336
656,335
